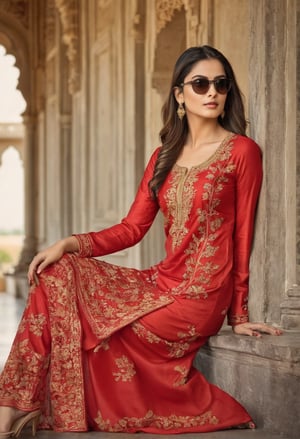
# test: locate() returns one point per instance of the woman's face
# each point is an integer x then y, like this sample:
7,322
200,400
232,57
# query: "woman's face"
209,105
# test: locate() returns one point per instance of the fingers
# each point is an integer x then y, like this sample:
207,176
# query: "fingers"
267,329
255,329
271,330
37,265
246,330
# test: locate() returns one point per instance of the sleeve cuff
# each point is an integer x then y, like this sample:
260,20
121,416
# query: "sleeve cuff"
237,319
85,245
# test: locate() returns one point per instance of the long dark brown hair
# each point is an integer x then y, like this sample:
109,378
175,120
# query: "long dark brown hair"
174,132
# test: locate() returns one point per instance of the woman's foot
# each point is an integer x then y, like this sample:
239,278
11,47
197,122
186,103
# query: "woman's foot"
8,416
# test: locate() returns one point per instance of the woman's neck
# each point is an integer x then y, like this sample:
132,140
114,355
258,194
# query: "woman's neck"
203,133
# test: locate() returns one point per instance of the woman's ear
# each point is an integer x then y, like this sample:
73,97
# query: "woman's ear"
178,94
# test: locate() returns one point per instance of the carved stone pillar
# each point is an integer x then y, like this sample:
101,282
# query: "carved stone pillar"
290,309
69,15
272,125
30,166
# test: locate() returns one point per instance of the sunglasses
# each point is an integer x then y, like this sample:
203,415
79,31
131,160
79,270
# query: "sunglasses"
201,85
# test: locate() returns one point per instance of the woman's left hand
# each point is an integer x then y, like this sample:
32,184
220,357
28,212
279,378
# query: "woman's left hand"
255,329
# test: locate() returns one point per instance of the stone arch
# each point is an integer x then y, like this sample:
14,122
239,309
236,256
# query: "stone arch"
15,40
7,147
14,36
12,134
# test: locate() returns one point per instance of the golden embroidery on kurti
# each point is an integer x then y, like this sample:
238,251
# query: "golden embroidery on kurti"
85,245
125,371
124,297
179,198
199,269
152,420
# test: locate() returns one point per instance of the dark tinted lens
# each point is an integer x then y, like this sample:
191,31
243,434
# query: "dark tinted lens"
200,85
222,85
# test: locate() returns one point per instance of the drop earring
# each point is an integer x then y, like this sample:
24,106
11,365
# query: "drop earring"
180,111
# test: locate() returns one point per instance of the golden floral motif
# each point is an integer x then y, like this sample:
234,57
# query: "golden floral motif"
35,323
21,375
117,296
175,349
85,245
152,420
142,332
199,269
196,292
183,373
179,198
245,304
103,345
126,369
66,354
191,333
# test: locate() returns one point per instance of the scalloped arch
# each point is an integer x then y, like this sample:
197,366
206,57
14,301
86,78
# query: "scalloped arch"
15,40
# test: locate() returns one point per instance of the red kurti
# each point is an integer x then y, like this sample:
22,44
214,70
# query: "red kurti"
110,348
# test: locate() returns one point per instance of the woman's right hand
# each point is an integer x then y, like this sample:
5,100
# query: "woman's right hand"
45,258
50,255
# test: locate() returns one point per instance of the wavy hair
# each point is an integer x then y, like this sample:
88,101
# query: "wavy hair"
174,131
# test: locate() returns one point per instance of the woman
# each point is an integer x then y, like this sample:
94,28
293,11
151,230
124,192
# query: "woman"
108,348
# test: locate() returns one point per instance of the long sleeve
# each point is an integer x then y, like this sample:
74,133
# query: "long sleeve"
248,184
131,229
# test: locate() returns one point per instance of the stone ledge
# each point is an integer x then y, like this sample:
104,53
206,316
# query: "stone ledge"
284,348
263,374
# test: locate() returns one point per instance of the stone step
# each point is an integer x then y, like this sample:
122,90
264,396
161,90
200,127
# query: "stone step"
228,434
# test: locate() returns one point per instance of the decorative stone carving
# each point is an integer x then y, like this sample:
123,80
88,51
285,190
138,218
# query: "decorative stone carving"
50,25
165,10
18,8
290,309
69,15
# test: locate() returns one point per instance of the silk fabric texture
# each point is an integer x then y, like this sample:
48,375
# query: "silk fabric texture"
110,348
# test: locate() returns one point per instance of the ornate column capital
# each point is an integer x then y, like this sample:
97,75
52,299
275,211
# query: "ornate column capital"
18,8
69,15
165,10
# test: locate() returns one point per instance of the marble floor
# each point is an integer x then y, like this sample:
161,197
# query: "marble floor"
10,313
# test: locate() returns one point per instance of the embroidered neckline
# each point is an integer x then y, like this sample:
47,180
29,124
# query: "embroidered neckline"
214,157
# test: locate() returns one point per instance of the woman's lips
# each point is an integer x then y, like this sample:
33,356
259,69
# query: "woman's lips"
211,105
